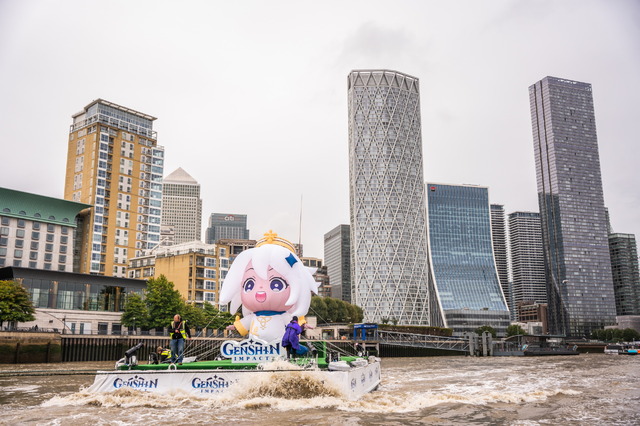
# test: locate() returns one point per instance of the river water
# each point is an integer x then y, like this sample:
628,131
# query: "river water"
589,389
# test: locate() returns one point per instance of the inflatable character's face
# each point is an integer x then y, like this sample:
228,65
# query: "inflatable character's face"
259,294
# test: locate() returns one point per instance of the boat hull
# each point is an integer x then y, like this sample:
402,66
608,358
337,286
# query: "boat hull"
352,383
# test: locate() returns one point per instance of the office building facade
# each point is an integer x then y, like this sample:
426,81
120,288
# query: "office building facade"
227,226
462,260
182,206
38,232
626,278
337,259
574,225
115,164
527,259
386,190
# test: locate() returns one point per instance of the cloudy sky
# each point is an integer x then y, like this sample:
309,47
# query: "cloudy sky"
251,96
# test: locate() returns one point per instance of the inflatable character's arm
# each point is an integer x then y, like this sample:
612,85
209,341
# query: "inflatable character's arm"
242,325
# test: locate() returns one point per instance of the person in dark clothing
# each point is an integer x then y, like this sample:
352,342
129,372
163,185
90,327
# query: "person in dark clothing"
291,338
160,355
179,334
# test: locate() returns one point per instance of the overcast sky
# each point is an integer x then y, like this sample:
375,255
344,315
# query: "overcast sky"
251,96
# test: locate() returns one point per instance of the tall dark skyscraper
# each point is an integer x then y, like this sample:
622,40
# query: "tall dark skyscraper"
226,226
574,224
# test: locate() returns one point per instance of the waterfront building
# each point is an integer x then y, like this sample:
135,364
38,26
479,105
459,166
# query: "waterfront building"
115,164
462,260
227,226
320,275
532,312
182,206
337,259
236,247
389,272
626,277
499,239
527,259
75,303
38,232
574,225
196,269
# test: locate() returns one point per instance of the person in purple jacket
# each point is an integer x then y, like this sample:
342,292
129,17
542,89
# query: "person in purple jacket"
291,339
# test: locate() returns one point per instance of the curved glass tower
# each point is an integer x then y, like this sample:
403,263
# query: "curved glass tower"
461,256
386,189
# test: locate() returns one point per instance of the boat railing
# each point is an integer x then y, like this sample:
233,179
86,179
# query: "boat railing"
423,340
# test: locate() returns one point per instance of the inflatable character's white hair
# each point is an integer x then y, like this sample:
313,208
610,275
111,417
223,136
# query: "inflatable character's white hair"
285,263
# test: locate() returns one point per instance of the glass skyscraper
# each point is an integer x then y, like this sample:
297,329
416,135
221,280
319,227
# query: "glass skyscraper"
499,237
462,258
337,259
626,278
574,224
386,189
182,206
527,258
226,226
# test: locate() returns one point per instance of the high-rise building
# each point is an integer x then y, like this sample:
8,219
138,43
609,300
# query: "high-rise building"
320,275
386,190
227,226
115,163
462,260
574,224
182,206
337,259
527,259
626,278
499,237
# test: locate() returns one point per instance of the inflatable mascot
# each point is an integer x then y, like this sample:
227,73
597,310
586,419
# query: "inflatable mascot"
272,285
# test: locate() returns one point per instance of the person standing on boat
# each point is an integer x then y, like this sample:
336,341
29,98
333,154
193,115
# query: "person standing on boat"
179,334
291,339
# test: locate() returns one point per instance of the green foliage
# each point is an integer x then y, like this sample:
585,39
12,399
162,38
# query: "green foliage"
163,302
616,335
215,319
484,328
135,312
15,304
330,310
194,316
514,330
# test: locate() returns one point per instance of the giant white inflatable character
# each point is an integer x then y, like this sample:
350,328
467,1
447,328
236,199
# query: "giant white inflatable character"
272,285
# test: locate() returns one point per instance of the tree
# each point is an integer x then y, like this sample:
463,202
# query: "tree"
318,308
514,330
214,318
135,312
15,304
484,328
629,335
163,302
194,316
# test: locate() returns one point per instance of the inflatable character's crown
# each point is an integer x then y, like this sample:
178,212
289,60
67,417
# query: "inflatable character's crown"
272,238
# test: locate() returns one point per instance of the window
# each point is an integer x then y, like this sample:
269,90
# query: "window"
35,235
19,243
2,261
21,223
62,259
4,231
35,225
63,240
33,265
61,268
48,247
19,233
3,241
33,255
50,238
4,221
65,230
17,253
3,251
50,227
63,249
47,266
34,245
17,263
48,257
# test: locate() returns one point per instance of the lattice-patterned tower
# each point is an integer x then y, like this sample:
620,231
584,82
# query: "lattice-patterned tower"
388,228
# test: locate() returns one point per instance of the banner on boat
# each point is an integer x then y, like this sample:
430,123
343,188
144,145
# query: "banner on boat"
251,351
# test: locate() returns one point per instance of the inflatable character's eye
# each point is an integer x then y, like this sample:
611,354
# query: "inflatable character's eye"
278,284
248,285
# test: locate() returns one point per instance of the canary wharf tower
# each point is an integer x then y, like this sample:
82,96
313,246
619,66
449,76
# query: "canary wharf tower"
574,223
387,199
